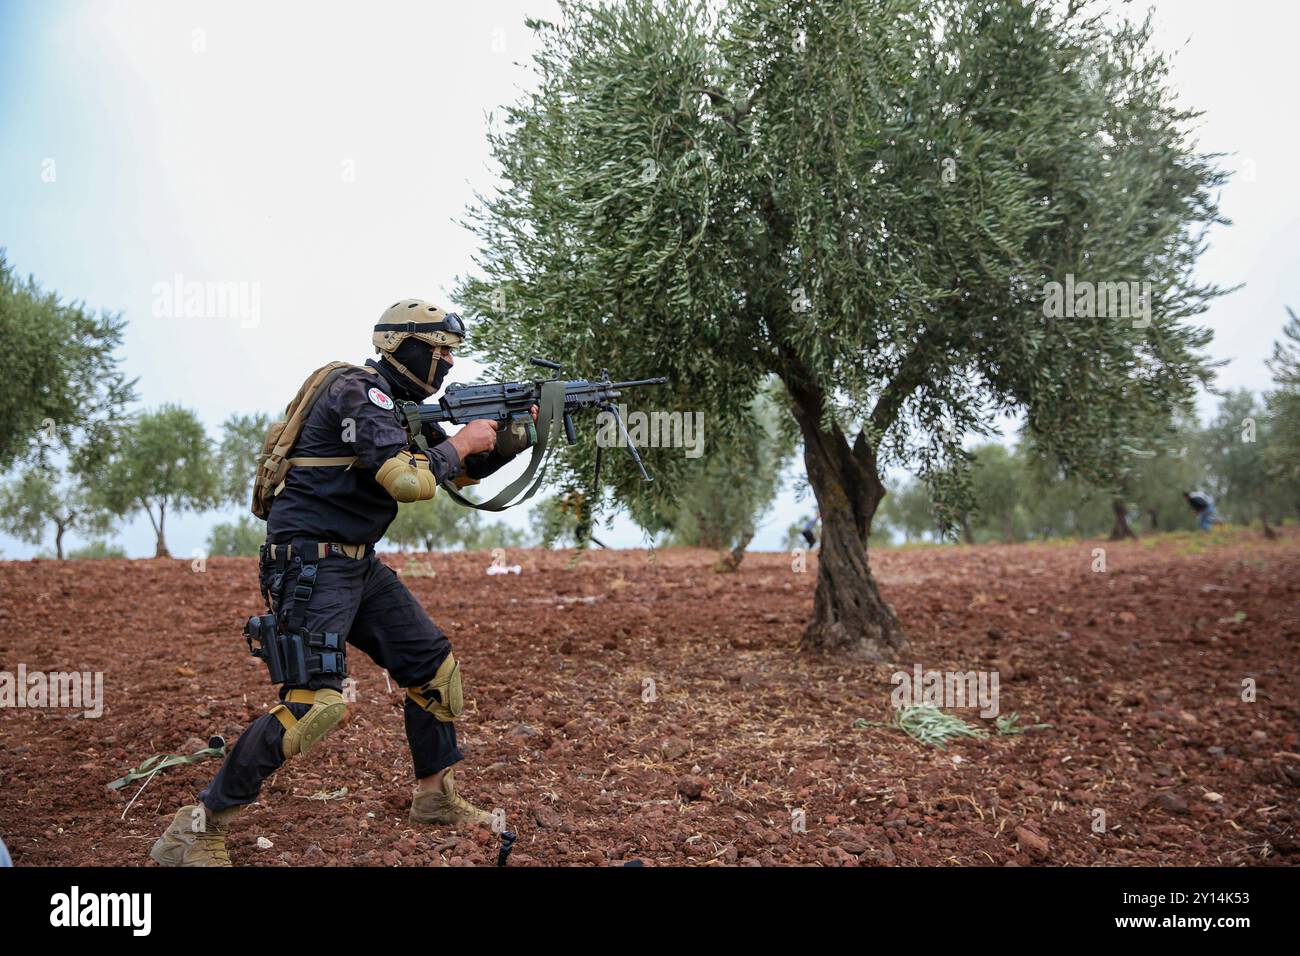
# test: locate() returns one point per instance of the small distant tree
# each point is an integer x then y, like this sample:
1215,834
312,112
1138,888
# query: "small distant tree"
1281,456
1159,481
723,496
241,440
96,550
240,538
555,520
793,537
1060,505
910,511
163,461
998,481
40,500
1234,444
437,524
487,535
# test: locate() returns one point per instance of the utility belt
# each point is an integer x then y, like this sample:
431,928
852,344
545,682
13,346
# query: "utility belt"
291,653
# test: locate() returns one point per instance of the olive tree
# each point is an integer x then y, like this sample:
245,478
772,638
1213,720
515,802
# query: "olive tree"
1282,453
40,500
870,201
60,384
241,441
724,496
163,460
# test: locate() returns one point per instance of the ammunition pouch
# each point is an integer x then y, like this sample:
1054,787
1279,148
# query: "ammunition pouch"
297,657
292,654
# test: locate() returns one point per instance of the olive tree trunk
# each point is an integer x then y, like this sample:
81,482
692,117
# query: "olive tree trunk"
849,615
1120,530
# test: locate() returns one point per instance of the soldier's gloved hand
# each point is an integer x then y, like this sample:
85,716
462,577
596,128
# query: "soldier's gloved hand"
520,435
477,436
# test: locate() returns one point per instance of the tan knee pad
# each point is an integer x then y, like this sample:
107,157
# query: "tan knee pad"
302,733
443,696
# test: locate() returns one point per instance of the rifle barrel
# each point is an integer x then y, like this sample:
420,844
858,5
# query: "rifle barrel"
641,381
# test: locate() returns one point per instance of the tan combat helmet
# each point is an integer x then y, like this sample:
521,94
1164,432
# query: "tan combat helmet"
414,319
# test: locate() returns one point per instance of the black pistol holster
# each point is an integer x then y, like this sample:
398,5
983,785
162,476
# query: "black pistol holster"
292,654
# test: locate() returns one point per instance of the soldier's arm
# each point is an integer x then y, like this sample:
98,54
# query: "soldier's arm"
473,465
380,443
509,443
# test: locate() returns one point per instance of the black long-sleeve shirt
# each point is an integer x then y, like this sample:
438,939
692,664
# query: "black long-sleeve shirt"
345,503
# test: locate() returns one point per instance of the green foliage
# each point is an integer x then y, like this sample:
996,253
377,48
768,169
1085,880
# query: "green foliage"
241,440
1021,495
1058,505
163,461
39,501
1009,725
59,376
430,525
1157,485
96,550
722,193
1234,444
240,538
725,494
1281,454
439,524
998,481
794,535
489,535
909,512
553,521
927,724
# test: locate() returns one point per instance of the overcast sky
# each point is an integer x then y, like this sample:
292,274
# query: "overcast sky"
322,152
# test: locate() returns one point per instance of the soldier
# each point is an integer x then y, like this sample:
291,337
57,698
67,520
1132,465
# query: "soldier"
1203,505
809,530
350,465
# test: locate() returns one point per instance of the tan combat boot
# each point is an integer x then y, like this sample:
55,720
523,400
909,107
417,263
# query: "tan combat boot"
446,806
195,837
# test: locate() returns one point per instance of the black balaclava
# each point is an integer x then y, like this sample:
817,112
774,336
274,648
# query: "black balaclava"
417,356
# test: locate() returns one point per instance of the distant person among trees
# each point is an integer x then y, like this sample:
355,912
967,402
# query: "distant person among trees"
809,531
1203,505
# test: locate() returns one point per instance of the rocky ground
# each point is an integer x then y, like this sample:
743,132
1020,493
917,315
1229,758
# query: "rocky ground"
638,706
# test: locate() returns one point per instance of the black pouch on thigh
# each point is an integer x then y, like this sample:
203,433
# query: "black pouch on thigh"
292,654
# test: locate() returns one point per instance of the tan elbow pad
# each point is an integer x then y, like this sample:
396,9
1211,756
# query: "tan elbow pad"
407,477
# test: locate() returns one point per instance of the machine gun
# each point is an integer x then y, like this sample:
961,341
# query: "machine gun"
508,403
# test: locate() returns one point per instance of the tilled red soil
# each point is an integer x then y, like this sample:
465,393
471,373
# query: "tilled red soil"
1137,669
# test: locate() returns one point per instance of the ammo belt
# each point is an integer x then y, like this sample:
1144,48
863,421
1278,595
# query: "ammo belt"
318,550
308,553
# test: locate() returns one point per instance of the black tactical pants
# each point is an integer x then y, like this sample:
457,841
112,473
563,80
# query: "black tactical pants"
363,599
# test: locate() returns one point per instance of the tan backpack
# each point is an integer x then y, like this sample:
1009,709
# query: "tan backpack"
272,464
